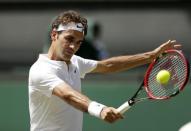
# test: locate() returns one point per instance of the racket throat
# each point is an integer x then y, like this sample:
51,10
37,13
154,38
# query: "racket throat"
140,99
131,102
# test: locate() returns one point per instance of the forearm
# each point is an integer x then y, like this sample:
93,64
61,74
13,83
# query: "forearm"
121,63
78,100
72,97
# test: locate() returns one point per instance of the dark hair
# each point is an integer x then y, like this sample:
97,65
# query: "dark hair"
70,16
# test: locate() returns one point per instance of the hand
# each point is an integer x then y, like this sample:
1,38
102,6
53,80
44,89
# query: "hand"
170,44
110,114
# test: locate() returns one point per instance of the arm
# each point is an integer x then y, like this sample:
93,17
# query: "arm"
83,103
72,97
120,63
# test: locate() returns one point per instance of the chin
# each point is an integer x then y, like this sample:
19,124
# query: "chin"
67,57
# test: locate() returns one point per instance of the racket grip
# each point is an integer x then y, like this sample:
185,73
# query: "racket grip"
124,107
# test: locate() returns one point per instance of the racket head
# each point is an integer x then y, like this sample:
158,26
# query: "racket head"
176,63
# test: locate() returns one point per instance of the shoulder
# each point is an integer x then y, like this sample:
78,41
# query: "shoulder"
38,67
39,71
76,58
84,65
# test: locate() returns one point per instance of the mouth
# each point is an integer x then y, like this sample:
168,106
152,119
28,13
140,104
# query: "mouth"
69,51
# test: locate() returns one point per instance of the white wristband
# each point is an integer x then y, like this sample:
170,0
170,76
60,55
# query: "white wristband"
95,109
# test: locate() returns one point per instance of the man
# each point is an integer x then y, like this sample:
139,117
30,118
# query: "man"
55,100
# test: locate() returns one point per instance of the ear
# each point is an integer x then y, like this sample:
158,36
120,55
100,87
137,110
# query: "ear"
53,35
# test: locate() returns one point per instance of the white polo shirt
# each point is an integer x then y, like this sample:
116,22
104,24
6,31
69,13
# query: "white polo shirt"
48,112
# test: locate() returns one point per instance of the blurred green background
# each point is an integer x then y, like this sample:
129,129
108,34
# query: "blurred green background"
112,90
128,26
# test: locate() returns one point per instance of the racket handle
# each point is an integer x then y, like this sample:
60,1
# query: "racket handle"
124,107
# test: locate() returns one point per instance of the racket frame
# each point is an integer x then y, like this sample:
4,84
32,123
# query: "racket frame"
151,65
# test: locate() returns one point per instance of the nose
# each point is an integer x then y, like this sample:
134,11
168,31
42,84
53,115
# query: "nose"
72,45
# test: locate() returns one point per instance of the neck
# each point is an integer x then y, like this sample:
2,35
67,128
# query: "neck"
51,53
53,56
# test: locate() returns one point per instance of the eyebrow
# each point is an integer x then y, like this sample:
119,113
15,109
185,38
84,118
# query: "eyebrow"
69,36
72,37
82,40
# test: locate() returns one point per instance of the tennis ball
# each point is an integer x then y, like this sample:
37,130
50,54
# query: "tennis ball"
163,77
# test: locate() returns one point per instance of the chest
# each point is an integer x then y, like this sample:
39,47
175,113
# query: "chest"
70,74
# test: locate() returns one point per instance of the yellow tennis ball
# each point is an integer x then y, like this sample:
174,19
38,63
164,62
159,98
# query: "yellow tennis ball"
163,77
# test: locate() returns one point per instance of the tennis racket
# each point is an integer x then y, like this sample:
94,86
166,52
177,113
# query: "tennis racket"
174,62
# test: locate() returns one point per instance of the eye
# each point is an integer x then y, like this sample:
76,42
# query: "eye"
79,42
69,39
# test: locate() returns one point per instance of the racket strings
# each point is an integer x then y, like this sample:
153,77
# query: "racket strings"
140,99
175,65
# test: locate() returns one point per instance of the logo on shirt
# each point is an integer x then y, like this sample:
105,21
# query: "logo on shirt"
75,71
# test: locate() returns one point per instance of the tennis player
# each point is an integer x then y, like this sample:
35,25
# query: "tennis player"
55,99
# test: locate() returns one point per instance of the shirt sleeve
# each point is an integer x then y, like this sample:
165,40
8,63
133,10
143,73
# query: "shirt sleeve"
43,82
85,66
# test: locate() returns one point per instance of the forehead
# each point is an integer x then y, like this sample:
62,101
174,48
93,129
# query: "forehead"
73,33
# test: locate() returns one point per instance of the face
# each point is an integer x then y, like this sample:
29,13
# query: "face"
67,44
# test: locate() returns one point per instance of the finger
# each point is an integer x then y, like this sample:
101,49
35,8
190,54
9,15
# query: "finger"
120,116
110,118
166,45
172,41
178,47
168,41
172,44
117,114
